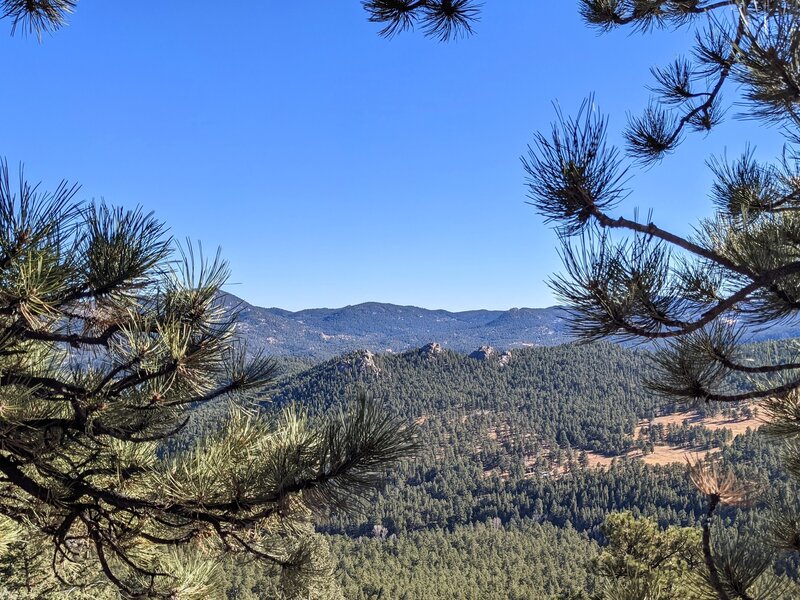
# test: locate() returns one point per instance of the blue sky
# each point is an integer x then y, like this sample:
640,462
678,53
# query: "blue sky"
333,166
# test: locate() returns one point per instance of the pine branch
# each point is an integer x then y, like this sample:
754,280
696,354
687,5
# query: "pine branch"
110,333
37,16
443,20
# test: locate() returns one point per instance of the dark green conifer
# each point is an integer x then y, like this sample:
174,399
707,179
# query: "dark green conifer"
696,297
111,336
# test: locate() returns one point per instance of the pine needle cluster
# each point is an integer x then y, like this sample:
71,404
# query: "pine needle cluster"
442,20
111,334
695,299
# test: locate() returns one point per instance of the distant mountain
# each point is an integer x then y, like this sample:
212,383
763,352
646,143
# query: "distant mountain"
324,332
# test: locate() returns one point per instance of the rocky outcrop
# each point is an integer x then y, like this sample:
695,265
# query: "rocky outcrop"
488,353
431,349
361,362
483,353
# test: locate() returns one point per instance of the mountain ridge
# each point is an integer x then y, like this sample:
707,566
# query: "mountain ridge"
383,327
322,333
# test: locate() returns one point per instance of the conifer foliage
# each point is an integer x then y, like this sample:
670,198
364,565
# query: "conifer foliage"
696,297
439,19
37,16
110,335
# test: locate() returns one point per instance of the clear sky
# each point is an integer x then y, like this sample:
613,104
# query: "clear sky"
331,165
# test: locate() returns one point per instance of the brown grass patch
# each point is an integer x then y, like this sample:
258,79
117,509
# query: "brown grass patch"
666,455
600,461
662,454
736,426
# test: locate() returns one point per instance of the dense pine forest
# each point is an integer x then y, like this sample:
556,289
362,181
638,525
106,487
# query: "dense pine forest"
503,498
530,477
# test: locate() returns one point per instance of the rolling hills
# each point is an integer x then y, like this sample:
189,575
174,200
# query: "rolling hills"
322,333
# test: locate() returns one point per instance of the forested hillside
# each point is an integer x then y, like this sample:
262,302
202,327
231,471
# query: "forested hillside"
507,435
502,500
490,402
505,498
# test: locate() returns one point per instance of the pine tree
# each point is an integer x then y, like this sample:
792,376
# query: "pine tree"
697,298
111,336
641,560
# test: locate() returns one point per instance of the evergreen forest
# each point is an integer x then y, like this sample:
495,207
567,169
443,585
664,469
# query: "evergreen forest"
638,440
502,501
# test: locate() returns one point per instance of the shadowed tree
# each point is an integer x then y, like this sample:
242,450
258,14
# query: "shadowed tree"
110,335
698,297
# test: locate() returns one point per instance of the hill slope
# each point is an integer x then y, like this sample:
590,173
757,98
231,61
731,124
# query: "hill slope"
587,396
502,484
507,435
